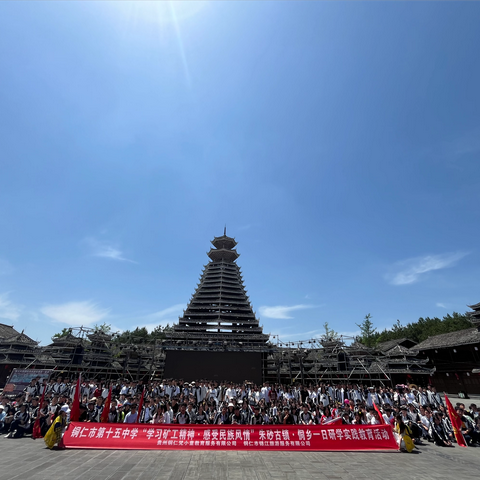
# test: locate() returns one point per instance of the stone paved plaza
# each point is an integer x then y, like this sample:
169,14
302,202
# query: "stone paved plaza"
25,458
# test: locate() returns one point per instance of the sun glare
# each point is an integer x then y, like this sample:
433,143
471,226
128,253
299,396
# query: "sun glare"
161,12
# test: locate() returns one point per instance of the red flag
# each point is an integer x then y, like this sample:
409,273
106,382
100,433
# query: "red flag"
140,406
456,423
380,416
37,431
333,421
75,412
106,407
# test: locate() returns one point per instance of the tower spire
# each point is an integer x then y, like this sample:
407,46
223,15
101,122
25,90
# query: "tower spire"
225,231
220,309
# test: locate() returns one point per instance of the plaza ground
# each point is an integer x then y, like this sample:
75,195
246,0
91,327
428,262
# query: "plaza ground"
26,458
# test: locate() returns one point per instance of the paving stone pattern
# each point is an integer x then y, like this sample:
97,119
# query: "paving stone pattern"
29,459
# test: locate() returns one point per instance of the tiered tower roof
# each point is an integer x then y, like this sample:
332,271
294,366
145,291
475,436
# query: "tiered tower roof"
475,315
219,311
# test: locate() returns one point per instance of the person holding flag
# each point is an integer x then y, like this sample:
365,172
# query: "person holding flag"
106,407
140,406
455,418
380,418
75,412
37,427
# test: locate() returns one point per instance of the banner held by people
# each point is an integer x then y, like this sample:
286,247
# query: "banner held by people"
238,437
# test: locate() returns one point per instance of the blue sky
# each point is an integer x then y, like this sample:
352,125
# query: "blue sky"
339,142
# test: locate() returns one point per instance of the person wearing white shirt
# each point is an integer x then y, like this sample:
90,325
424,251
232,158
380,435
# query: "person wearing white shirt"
410,397
125,390
356,394
212,394
231,393
265,393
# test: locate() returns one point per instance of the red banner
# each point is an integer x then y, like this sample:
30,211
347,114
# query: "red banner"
229,437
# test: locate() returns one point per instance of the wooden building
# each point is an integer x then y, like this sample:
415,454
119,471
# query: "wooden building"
218,337
345,360
456,357
17,350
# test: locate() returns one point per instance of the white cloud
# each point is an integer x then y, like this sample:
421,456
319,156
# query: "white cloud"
280,311
409,271
106,250
441,305
76,314
9,310
162,317
174,311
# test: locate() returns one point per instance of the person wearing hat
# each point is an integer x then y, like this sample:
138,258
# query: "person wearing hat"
54,434
92,411
66,409
231,406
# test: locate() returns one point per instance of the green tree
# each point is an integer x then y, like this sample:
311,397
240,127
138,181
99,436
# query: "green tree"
426,327
330,334
103,328
139,335
64,333
369,334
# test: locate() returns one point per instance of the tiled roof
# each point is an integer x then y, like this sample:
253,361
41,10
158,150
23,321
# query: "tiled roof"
467,336
385,346
397,350
358,346
7,331
9,334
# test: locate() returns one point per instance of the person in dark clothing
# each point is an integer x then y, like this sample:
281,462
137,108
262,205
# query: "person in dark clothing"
286,417
20,423
257,418
236,417
439,435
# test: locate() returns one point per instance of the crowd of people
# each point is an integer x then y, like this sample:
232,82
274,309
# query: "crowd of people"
417,415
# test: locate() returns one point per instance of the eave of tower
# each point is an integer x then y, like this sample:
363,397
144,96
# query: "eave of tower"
222,254
224,242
